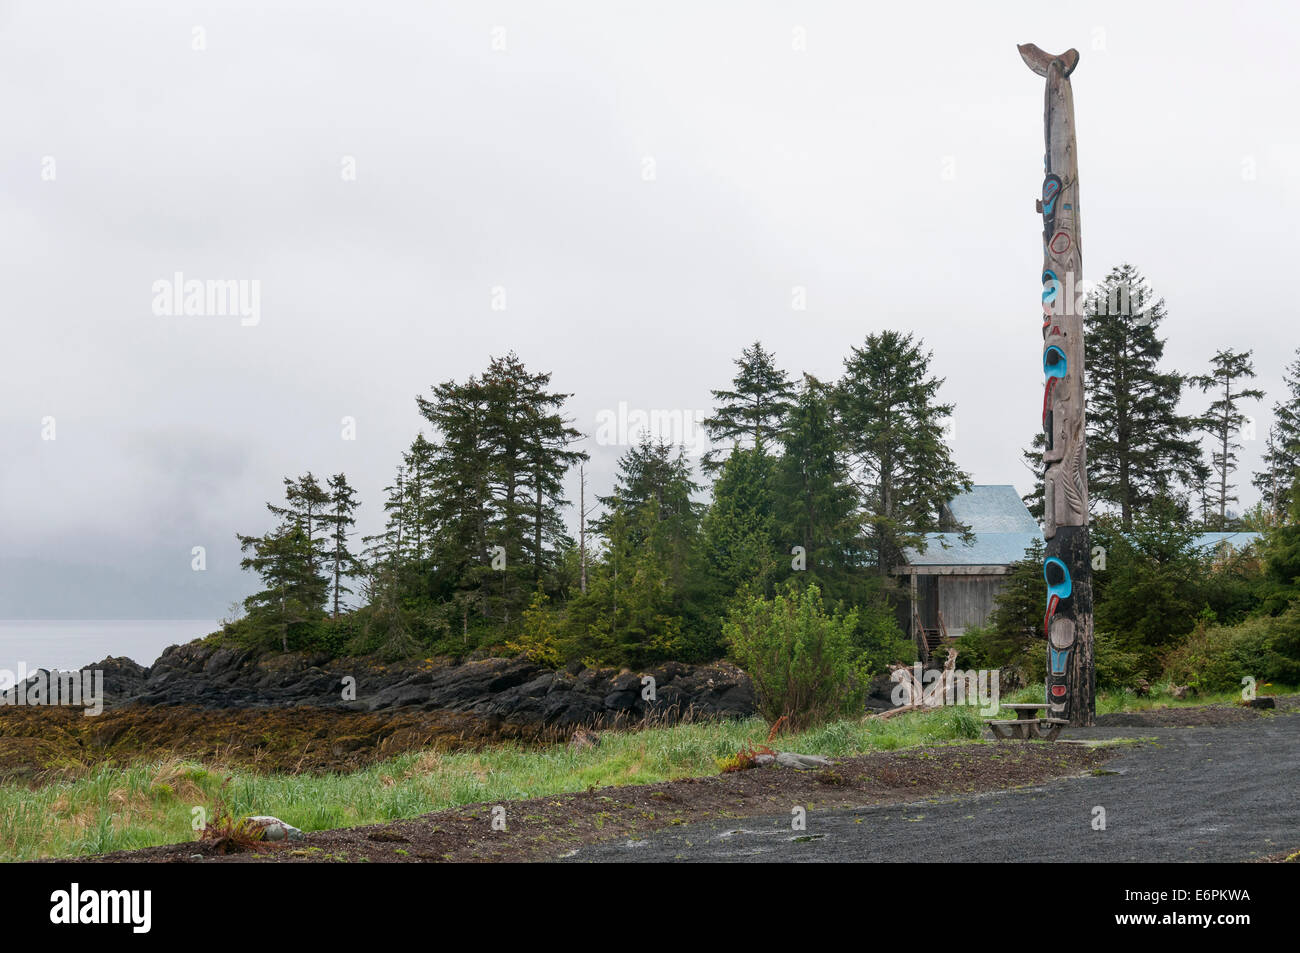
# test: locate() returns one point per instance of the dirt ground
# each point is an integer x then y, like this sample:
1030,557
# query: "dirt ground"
548,828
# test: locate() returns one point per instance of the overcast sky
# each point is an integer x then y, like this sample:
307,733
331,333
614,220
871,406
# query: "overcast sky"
643,188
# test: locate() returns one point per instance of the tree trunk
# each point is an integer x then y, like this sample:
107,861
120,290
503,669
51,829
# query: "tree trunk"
537,532
337,565
1067,565
1223,473
582,530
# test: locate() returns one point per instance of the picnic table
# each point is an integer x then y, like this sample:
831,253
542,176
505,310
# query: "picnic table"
1027,724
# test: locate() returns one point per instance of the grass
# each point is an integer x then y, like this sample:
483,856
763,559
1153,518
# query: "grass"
1109,702
116,807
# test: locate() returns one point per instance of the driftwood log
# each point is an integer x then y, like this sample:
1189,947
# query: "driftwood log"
931,697
788,759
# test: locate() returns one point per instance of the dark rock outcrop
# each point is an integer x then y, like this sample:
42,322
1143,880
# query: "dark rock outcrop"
501,691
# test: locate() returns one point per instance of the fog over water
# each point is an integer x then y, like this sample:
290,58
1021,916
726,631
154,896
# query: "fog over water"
73,643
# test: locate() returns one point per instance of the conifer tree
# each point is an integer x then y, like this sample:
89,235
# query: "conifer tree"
1223,420
459,488
1139,446
496,470
892,427
655,473
396,503
342,514
815,502
738,533
1282,454
305,504
417,463
294,591
752,412
528,440
1032,458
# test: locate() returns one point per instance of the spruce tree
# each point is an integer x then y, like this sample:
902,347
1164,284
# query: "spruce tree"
892,426
528,440
397,507
1201,502
752,412
631,613
1281,588
342,516
460,492
1139,446
815,502
738,533
502,449
417,463
305,505
1282,454
294,592
1223,420
654,472
1032,458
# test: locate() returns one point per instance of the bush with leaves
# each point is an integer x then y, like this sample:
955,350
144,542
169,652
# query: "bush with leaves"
1154,586
802,660
878,639
1116,667
1020,659
1215,658
1282,559
1012,637
541,639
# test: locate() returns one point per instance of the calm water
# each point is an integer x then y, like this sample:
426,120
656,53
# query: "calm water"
72,643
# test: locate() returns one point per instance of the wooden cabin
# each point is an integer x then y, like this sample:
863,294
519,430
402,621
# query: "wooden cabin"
953,582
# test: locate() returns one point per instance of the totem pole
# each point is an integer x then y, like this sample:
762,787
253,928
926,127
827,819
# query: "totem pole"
1067,621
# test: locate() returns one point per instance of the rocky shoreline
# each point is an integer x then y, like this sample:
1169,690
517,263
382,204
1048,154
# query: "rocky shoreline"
501,692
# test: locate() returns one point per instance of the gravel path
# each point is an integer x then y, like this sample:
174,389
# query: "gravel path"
1228,792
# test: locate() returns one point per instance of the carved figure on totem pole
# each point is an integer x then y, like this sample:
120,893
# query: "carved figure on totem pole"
1067,619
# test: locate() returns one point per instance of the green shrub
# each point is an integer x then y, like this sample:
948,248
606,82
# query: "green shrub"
878,639
1004,649
541,638
802,661
1155,584
1216,657
1116,667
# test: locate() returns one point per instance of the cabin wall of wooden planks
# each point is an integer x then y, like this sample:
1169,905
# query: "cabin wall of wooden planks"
965,599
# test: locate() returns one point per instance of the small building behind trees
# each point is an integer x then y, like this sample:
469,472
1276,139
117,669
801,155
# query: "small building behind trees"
1222,544
953,580
951,585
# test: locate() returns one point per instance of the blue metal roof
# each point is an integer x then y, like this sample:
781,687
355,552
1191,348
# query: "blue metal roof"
1004,529
1002,525
988,549
1235,540
993,508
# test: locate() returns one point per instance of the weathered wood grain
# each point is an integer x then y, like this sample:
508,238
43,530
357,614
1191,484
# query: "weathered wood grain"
1067,623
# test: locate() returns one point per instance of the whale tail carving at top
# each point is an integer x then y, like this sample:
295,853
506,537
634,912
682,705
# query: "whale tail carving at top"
1038,61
